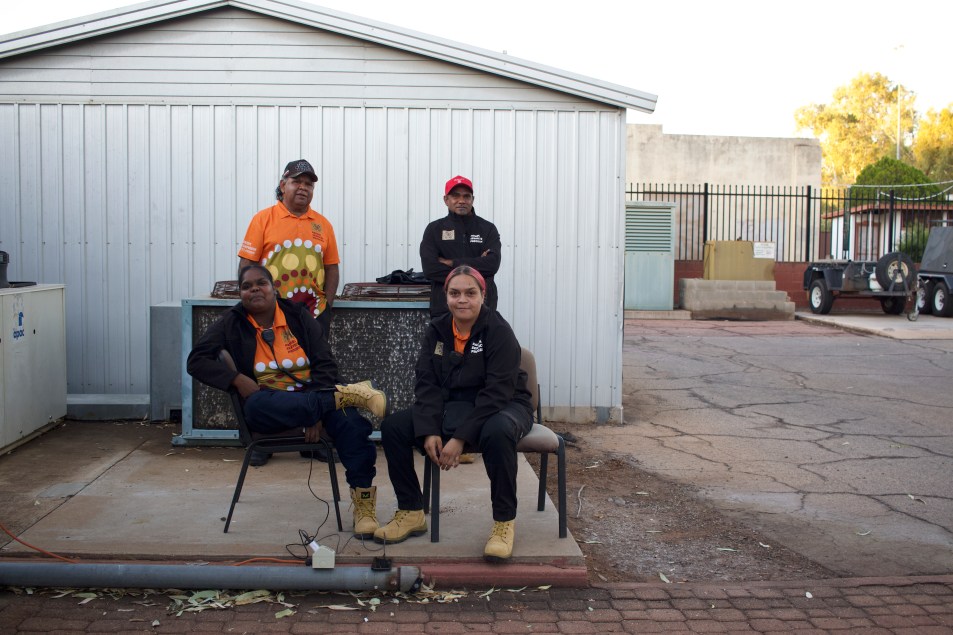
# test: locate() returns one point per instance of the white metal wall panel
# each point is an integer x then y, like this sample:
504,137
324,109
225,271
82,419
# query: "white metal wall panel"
134,201
156,200
233,56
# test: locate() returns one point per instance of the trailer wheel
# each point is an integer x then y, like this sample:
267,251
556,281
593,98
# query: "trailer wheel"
925,297
893,306
940,302
896,269
820,297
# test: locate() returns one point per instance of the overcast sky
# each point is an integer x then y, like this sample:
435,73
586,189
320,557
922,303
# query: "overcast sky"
733,67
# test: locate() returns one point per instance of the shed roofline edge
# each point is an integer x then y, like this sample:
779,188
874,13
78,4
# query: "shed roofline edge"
153,11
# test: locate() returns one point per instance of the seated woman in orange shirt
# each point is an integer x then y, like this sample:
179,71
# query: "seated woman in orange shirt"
288,380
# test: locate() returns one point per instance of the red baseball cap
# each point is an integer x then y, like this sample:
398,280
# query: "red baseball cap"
458,180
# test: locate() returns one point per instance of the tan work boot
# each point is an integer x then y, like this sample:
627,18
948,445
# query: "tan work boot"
364,501
362,395
467,457
403,525
499,547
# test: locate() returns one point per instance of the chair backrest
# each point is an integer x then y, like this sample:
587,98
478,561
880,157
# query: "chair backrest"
528,364
243,432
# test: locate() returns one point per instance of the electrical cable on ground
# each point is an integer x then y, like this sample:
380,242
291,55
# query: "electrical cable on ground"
43,551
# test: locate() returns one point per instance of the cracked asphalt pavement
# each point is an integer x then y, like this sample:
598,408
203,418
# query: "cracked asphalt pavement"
838,445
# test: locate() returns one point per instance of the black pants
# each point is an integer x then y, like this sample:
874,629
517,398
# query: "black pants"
497,444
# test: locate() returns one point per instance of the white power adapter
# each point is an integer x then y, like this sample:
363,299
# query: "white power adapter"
321,557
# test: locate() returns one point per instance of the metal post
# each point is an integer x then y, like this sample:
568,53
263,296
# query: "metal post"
845,227
807,225
893,212
704,217
898,121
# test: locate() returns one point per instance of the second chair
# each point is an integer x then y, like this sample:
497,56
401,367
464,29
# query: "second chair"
540,440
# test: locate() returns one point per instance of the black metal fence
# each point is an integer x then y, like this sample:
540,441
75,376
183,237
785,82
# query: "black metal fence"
802,222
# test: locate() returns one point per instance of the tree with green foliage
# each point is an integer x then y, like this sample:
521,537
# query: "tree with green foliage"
933,147
877,179
859,126
874,184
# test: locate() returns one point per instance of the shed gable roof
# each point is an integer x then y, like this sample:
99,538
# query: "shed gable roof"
336,22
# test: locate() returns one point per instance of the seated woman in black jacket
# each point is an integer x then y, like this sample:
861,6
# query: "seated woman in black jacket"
289,381
470,391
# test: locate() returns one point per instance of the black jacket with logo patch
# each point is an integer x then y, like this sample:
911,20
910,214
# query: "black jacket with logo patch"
461,239
488,374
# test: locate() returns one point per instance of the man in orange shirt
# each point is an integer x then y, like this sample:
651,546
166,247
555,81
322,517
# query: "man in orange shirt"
296,244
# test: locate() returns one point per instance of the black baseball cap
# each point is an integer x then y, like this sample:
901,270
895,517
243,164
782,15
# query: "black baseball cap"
297,168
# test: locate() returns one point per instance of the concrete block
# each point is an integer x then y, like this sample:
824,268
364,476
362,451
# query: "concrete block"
93,407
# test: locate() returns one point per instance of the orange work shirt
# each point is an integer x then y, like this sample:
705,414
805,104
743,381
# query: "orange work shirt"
287,352
295,249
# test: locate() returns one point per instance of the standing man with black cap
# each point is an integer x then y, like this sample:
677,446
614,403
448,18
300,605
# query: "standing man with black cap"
459,238
296,244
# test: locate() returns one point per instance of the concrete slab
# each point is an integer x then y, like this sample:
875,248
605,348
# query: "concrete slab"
128,494
677,314
898,327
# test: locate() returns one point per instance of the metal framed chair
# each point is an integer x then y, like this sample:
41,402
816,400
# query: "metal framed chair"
540,440
293,441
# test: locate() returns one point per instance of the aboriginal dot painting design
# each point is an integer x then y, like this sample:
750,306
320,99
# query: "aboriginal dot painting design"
269,376
298,269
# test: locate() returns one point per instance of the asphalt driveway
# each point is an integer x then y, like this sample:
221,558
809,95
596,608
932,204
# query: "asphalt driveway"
837,444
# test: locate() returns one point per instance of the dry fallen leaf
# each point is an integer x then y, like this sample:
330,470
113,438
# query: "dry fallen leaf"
664,578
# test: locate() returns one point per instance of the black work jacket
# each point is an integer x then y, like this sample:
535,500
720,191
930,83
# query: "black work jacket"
235,334
461,239
488,374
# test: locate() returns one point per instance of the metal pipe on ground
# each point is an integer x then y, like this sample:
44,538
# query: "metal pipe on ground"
152,576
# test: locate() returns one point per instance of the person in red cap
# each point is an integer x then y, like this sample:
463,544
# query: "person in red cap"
296,244
459,238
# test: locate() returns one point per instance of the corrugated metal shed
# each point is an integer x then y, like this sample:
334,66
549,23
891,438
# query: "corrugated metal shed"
140,142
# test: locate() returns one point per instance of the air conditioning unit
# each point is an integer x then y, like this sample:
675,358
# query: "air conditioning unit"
33,368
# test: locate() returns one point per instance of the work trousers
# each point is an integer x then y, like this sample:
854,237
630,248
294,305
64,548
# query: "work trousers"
275,411
497,444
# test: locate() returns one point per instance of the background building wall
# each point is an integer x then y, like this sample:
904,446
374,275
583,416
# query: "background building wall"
655,157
